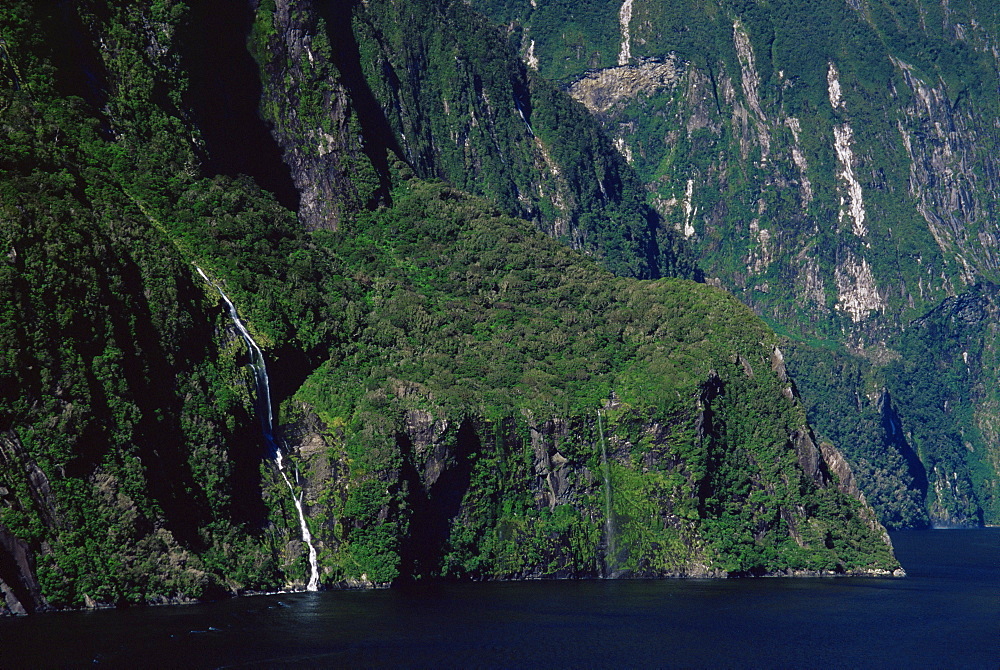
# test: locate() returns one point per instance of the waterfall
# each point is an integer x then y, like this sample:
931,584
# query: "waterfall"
610,552
313,584
517,105
624,19
259,368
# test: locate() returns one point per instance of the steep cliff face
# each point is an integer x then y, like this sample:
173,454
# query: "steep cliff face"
313,114
583,497
129,458
119,414
728,155
22,593
835,166
352,89
872,165
949,361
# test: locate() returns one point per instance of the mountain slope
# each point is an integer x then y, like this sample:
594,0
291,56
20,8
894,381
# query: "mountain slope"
834,165
349,90
517,412
461,396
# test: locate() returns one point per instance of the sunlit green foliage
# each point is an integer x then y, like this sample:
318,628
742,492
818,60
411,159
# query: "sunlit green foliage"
475,316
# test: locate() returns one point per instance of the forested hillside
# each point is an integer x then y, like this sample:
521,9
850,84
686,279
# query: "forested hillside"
834,164
432,250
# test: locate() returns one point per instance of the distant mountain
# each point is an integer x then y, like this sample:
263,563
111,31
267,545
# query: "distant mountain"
835,166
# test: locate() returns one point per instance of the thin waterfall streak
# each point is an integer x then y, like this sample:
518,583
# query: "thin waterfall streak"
259,367
313,584
610,550
256,360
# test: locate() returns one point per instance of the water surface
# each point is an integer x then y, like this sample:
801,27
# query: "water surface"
946,613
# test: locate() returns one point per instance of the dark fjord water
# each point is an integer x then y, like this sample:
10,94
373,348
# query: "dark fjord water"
946,613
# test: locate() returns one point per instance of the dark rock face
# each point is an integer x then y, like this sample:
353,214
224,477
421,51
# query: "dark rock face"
839,466
970,308
555,477
224,94
312,114
15,458
21,592
812,460
18,582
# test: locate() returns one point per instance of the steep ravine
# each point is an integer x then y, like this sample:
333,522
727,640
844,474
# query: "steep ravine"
224,94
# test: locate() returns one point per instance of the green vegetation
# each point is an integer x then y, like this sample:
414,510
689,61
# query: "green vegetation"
438,364
119,388
944,382
915,421
108,374
473,114
741,152
848,403
475,317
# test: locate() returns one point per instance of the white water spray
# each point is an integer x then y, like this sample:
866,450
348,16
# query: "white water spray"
624,19
259,368
313,584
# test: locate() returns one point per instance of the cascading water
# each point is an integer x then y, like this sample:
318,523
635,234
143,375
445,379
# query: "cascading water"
313,584
610,552
259,368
